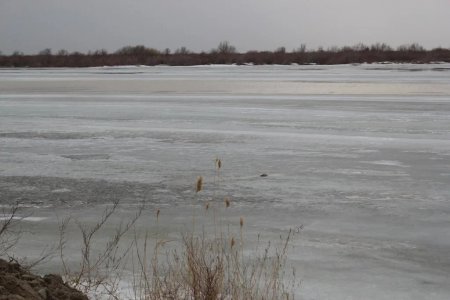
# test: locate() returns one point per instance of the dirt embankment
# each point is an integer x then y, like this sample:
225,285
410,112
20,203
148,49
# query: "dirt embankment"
17,283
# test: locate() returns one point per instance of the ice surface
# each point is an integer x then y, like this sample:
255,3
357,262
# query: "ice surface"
357,155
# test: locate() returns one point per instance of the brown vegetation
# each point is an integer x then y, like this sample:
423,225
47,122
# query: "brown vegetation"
211,263
225,53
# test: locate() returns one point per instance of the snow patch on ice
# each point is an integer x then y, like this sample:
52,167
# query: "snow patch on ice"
25,219
393,163
63,190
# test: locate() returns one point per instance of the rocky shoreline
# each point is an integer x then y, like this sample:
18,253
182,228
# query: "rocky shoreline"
17,283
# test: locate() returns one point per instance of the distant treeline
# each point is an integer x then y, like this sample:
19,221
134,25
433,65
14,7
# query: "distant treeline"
227,54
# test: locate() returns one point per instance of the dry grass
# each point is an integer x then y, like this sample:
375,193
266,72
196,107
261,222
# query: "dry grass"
211,264
202,267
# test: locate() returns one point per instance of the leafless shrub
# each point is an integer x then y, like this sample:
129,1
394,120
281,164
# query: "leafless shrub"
9,234
100,265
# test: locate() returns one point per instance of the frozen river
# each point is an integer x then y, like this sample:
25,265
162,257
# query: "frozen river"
357,155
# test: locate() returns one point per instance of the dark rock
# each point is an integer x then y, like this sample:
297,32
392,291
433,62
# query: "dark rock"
43,293
17,283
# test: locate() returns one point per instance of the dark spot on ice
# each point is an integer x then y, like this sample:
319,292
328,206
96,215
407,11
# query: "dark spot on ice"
263,175
440,69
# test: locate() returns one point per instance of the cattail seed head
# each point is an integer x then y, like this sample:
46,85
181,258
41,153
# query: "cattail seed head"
158,211
232,242
241,222
219,164
227,202
207,205
199,184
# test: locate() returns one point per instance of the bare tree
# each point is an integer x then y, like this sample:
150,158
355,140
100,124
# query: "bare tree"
182,50
301,49
226,48
63,52
46,51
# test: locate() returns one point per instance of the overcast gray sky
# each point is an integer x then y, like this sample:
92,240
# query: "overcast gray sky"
32,25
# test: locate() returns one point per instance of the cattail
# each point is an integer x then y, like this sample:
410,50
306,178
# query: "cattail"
199,184
219,164
157,213
241,222
232,242
207,205
227,202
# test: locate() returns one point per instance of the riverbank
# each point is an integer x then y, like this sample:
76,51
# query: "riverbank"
17,283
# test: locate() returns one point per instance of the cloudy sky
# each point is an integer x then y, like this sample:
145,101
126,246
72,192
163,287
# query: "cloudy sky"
81,25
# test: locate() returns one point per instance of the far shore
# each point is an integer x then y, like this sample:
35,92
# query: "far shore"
226,54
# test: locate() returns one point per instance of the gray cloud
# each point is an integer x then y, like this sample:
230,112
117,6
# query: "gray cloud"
32,25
